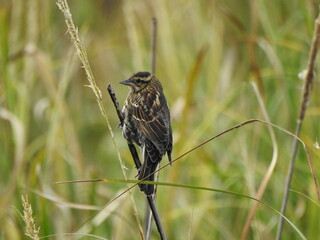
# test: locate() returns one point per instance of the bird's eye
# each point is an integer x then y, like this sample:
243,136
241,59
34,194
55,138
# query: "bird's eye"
139,81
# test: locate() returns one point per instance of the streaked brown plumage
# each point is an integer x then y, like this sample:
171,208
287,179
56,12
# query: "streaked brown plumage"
147,123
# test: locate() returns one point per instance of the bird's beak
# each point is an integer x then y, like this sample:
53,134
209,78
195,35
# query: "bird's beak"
126,82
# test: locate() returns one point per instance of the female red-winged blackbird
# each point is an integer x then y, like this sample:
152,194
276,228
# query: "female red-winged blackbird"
147,123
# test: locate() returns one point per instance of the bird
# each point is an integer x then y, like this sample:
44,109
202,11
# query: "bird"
147,123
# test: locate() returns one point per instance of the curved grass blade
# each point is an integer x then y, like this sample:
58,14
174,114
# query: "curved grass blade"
136,182
304,195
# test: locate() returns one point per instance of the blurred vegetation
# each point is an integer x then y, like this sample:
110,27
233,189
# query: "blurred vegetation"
208,54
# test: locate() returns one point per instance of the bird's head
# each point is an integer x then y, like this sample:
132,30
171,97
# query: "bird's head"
138,81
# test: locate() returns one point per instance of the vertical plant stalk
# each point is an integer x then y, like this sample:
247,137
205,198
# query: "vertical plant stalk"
73,31
137,162
154,45
309,76
148,216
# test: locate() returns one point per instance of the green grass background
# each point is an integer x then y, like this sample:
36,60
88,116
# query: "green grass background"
208,54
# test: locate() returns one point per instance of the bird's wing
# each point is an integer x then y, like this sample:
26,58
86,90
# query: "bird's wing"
153,120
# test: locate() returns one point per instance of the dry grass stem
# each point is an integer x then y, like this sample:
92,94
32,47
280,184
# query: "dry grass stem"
73,31
240,125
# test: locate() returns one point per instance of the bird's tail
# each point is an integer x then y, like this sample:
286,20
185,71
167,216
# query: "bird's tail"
145,171
151,160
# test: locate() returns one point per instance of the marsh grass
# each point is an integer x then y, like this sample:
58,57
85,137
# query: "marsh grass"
52,129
